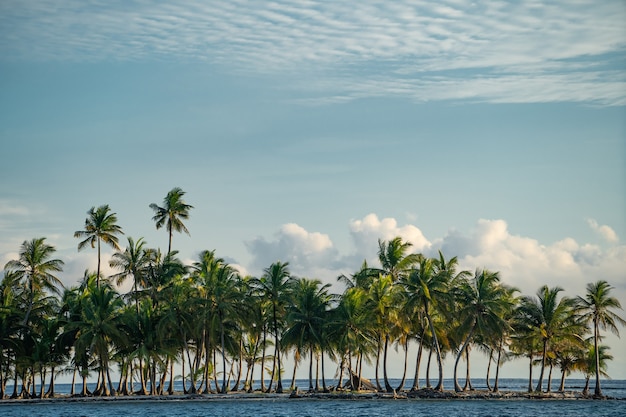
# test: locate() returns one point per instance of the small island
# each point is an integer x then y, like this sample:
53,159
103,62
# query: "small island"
218,331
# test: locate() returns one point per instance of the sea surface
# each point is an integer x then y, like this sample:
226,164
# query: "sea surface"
306,407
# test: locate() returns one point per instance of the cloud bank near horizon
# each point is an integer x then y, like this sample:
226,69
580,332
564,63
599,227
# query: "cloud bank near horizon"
498,52
522,261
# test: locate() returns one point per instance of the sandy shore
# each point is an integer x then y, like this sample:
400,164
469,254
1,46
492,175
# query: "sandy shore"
427,394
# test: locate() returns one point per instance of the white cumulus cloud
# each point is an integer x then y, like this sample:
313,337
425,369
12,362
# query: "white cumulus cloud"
605,231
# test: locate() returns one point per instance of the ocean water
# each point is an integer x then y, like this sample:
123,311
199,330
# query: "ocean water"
305,407
317,408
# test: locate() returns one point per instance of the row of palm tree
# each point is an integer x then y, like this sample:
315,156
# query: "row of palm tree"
204,323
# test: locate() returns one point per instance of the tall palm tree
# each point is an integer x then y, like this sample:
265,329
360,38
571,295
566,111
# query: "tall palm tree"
483,305
274,286
100,226
227,306
383,301
598,307
133,263
36,267
427,289
172,214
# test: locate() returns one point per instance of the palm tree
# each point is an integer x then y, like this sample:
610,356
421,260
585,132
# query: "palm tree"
394,259
598,306
383,301
227,306
427,288
351,329
588,364
98,328
36,268
362,278
274,286
306,318
100,225
549,320
483,305
172,213
133,263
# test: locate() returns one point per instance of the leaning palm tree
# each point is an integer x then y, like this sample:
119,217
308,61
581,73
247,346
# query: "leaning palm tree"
100,226
598,306
171,215
36,267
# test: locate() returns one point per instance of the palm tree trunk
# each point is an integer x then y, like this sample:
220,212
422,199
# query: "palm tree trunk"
495,385
489,369
217,386
562,383
98,273
341,366
388,387
263,360
406,357
468,380
378,387
42,377
457,387
317,373
223,352
279,385
324,389
169,241
596,336
84,389
50,392
439,386
543,366
530,373
256,347
549,388
170,389
418,360
311,370
73,389
360,371
430,356
239,365
586,388
293,376
142,377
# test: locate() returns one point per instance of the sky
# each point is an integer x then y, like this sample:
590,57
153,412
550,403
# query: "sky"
304,131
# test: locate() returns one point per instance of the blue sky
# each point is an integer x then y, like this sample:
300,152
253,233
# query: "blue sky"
305,131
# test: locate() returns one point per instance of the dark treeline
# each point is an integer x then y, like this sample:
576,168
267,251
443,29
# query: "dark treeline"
221,331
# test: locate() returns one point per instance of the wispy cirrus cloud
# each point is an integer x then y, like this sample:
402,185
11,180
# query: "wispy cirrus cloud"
496,51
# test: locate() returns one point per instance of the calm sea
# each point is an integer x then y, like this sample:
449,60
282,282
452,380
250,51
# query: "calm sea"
272,406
